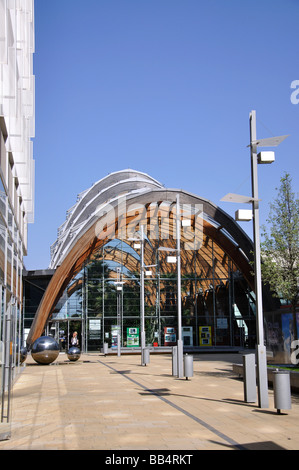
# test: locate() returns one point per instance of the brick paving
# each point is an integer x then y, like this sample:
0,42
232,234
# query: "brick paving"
113,403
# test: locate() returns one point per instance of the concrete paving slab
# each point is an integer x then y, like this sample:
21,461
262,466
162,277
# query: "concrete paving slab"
114,403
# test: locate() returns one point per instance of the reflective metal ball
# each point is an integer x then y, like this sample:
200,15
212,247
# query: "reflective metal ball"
23,354
74,353
45,350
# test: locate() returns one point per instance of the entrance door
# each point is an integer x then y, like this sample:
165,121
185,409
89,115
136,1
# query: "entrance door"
76,325
59,330
62,331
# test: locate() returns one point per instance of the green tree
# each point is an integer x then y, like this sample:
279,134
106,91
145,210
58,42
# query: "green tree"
280,246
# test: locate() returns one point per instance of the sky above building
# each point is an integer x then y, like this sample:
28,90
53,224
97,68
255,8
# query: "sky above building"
164,87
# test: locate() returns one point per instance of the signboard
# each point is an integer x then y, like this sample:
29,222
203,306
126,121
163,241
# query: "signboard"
95,324
133,337
115,330
187,335
95,328
205,336
169,336
222,323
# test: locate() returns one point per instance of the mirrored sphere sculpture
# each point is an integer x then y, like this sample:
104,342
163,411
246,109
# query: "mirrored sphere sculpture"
23,354
74,353
45,350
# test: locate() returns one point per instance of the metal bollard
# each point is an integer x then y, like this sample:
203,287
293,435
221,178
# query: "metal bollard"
175,361
105,349
180,358
188,366
282,390
249,378
145,356
118,345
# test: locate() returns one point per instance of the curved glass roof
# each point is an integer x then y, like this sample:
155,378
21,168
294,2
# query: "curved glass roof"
112,191
91,201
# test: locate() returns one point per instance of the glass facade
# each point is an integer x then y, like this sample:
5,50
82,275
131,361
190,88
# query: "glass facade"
105,297
16,184
11,267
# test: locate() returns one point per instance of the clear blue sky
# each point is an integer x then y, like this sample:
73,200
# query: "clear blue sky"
164,87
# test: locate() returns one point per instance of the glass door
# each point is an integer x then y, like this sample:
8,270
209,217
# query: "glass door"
62,331
59,329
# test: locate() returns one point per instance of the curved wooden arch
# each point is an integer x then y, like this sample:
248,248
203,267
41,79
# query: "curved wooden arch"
237,246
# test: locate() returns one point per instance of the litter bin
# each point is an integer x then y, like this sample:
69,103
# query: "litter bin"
105,349
145,356
282,390
188,366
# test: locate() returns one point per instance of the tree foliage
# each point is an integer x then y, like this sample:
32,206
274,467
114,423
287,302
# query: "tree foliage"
280,246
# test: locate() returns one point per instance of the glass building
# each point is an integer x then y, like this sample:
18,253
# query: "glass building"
121,251
16,183
217,308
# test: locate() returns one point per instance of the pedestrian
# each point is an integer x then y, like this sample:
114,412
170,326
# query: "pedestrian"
74,339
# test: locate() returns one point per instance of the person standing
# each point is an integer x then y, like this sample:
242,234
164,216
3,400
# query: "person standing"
74,339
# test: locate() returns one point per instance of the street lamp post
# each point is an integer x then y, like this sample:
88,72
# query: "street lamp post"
142,326
262,374
179,294
180,365
142,302
119,289
262,157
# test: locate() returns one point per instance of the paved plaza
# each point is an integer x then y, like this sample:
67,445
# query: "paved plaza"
114,403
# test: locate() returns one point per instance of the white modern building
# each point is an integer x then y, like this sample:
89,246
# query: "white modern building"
16,182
